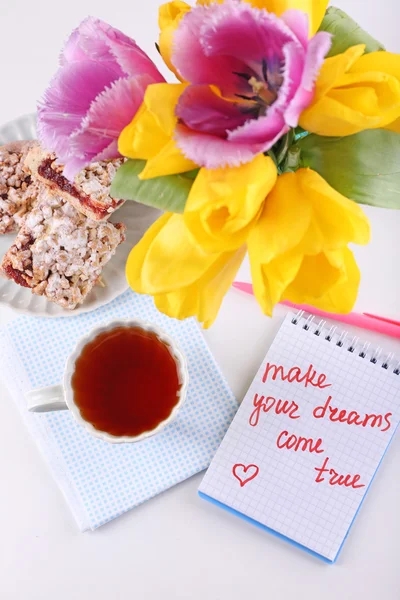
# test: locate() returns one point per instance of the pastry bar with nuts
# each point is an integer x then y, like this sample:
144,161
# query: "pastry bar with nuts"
59,253
18,190
89,192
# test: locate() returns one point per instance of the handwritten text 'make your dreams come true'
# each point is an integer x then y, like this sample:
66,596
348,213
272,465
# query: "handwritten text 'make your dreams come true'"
327,410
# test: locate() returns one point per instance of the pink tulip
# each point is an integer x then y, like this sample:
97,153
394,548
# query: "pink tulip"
262,69
95,93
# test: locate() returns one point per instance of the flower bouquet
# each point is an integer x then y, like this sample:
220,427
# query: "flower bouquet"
283,117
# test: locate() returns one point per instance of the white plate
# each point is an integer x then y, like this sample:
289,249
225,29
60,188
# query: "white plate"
136,217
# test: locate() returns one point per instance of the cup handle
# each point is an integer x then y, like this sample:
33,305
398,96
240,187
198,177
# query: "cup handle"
46,399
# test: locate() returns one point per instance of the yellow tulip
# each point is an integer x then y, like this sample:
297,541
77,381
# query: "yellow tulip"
328,281
355,92
150,134
169,16
314,8
182,278
382,61
224,204
298,248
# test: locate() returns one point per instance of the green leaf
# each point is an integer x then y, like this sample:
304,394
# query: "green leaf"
364,167
292,160
346,32
168,193
191,174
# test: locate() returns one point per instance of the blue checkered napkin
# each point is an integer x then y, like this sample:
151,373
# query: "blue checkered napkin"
100,480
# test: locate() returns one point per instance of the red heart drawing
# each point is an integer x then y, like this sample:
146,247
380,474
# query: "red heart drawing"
239,471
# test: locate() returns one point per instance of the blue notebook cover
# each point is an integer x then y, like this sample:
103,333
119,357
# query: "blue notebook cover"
304,447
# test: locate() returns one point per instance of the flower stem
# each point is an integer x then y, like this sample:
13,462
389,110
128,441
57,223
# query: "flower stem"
292,159
283,146
272,155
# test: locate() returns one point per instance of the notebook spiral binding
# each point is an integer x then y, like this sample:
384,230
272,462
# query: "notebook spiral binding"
339,338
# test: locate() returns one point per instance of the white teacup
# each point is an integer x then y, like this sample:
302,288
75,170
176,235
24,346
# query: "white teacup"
61,397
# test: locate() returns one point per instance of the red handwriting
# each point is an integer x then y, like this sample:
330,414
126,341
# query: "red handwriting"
351,418
295,374
268,403
239,471
299,443
335,477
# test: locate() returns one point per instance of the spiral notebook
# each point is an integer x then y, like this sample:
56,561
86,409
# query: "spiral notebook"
303,449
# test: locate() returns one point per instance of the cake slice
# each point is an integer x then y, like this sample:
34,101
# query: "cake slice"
18,189
59,253
90,191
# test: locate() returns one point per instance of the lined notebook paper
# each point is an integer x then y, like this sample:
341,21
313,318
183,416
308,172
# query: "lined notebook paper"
308,438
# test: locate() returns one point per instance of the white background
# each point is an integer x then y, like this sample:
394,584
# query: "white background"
177,546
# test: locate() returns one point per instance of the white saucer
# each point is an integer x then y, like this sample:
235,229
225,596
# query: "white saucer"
136,217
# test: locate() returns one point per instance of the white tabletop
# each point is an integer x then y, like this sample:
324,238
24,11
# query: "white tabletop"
176,546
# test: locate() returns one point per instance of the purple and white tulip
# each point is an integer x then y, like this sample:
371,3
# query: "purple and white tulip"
251,75
95,93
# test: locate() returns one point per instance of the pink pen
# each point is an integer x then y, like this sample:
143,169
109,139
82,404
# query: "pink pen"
365,320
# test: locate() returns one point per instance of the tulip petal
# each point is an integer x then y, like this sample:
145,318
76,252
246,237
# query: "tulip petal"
110,151
334,67
379,87
284,221
354,93
264,68
264,131
212,152
62,110
161,100
168,13
304,230
317,49
111,111
330,209
381,61
149,135
88,43
339,297
205,298
315,278
235,29
270,280
98,41
114,108
224,204
339,113
293,277
94,94
192,61
74,51
314,8
169,161
331,118
395,126
168,243
169,16
196,284
203,110
298,22
137,255
76,163
142,138
131,58
292,75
